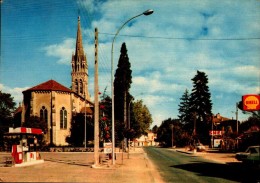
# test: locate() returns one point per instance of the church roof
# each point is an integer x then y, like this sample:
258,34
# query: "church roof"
219,119
50,85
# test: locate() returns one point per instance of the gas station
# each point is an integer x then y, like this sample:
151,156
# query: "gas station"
25,153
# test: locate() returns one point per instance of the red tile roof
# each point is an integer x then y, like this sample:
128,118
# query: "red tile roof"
50,85
219,119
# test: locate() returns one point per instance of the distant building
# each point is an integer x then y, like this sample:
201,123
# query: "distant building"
221,123
54,103
146,140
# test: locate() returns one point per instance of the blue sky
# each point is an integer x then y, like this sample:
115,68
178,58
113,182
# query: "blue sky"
220,38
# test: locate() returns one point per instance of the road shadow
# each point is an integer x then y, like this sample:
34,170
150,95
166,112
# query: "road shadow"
231,171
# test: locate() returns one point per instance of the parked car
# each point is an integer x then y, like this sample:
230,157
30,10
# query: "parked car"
200,147
251,155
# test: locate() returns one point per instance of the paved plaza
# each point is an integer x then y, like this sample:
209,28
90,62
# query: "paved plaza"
77,167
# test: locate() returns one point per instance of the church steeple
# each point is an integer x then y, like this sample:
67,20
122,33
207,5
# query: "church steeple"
79,74
79,46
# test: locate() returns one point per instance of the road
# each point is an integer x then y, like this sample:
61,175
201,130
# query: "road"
180,167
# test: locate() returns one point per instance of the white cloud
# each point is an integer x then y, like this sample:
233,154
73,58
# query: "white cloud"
163,68
16,92
163,58
62,51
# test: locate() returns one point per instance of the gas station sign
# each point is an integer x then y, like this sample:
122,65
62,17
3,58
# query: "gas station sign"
215,132
251,102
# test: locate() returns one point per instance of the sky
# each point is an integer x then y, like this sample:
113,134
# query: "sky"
165,49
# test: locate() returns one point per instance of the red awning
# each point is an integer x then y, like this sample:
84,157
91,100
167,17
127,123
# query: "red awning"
24,130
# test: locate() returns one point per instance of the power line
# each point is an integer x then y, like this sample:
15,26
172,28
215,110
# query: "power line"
185,38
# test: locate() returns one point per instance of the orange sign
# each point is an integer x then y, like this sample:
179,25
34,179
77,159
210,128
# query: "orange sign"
251,102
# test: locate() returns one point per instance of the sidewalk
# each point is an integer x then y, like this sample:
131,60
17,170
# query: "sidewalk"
76,167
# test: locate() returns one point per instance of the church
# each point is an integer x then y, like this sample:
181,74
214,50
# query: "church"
56,104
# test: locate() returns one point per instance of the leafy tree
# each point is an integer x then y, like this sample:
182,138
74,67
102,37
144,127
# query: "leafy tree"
122,84
171,129
184,110
256,114
250,132
155,129
200,105
141,119
7,107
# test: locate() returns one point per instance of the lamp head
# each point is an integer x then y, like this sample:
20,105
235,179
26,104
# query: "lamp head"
148,12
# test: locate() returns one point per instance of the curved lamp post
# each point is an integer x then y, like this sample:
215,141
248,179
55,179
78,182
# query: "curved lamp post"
147,12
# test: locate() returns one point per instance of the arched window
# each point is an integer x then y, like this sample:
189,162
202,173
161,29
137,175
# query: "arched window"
44,114
81,86
76,86
63,118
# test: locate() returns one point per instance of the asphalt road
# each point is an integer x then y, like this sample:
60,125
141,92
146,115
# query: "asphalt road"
180,167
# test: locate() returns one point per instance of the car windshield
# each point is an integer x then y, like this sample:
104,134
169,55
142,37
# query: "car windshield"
251,150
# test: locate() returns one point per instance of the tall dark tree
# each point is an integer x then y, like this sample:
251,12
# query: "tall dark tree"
122,84
7,107
36,122
201,105
184,109
76,137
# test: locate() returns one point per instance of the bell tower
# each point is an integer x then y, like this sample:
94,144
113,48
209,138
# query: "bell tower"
79,74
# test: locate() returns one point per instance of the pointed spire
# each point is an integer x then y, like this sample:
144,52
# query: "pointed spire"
79,44
79,67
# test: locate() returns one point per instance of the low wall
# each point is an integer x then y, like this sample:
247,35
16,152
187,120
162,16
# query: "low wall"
71,149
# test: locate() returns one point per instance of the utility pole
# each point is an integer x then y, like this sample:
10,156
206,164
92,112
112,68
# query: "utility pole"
237,116
212,139
96,103
237,122
85,123
194,123
172,134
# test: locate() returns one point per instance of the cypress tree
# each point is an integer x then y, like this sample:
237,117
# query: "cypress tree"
122,84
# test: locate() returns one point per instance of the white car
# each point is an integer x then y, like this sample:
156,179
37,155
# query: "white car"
200,147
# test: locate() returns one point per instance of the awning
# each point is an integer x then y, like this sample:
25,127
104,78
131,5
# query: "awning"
24,130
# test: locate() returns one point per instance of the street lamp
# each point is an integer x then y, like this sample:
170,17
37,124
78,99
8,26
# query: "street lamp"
236,112
147,12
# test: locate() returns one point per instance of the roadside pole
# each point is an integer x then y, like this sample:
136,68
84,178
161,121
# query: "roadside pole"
96,103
